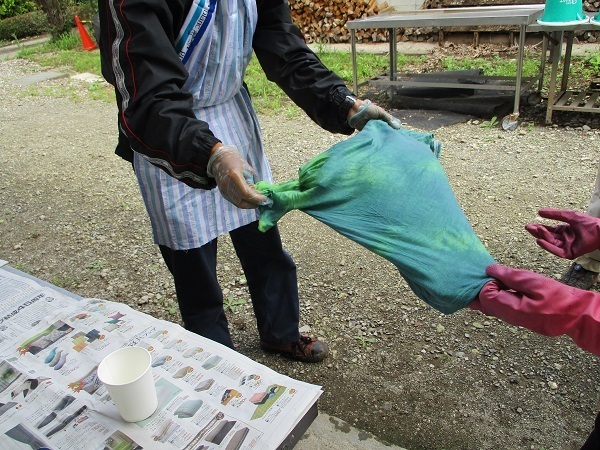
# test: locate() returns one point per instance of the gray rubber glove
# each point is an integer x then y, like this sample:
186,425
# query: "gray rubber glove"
370,111
235,178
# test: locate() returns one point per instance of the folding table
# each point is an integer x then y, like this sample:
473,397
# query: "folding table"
513,15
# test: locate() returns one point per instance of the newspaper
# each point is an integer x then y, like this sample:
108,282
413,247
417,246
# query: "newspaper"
50,398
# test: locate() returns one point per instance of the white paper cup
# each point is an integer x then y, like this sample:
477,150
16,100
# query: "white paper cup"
127,375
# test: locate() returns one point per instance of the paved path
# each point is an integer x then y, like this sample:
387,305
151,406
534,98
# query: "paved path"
424,48
10,51
330,433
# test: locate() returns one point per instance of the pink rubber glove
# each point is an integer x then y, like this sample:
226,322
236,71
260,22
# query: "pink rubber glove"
578,236
235,178
543,305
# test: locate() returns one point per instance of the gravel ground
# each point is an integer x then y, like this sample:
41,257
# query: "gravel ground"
71,214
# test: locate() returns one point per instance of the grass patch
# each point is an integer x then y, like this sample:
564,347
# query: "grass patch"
494,66
79,60
269,99
76,92
65,51
585,68
232,304
65,282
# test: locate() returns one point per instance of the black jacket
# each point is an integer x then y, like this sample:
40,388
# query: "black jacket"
155,113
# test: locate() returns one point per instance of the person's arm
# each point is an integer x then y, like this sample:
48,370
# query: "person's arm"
289,62
155,112
541,304
580,234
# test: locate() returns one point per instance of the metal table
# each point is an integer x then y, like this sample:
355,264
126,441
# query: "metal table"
513,15
564,100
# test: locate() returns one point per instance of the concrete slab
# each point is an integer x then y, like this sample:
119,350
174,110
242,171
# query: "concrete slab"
404,47
330,433
88,78
39,77
425,48
10,51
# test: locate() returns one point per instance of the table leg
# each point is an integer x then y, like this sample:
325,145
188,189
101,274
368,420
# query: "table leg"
354,69
393,59
393,54
510,122
567,61
543,64
519,70
556,52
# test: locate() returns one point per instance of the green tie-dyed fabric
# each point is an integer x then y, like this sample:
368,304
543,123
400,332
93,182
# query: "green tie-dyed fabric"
386,190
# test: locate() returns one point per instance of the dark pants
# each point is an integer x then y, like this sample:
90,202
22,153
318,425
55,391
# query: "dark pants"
271,276
593,440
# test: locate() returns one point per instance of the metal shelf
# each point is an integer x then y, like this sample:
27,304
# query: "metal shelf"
478,82
563,99
577,101
509,15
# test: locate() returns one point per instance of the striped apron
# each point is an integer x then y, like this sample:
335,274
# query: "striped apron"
215,45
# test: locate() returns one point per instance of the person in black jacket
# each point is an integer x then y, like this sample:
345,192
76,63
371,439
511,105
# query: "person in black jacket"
187,125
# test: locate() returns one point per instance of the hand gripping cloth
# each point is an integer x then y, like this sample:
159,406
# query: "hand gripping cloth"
386,190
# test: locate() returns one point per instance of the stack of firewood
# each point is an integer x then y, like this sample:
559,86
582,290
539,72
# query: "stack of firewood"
325,20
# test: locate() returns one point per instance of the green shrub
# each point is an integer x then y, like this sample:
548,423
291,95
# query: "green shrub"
24,25
593,60
85,10
11,8
58,16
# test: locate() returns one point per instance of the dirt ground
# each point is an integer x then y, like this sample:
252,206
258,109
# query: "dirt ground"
71,214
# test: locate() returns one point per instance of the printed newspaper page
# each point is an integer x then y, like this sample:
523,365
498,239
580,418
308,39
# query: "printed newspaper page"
209,395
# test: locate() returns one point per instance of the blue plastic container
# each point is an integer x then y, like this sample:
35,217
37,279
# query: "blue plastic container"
563,12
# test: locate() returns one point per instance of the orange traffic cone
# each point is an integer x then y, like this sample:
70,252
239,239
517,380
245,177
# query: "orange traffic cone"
86,40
